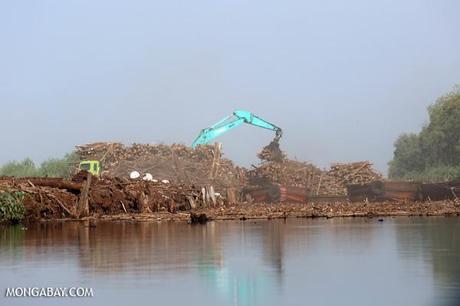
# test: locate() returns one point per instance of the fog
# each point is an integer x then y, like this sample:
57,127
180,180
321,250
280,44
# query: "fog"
342,78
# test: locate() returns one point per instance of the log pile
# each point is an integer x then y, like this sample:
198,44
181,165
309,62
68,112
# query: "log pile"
302,174
354,173
287,172
205,166
176,163
298,174
59,198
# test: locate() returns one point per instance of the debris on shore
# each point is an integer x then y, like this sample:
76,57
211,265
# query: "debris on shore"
331,210
54,198
264,211
186,183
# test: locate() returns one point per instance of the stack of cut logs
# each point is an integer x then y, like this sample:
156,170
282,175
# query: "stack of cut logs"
58,198
318,182
176,163
354,173
295,173
287,172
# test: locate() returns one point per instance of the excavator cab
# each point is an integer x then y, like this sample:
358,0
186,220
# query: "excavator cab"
92,166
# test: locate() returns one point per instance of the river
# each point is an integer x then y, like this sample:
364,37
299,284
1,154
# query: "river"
340,261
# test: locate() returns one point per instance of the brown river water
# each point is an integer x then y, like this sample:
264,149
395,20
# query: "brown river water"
341,261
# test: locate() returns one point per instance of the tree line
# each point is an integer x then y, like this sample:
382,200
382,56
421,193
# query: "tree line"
433,154
53,167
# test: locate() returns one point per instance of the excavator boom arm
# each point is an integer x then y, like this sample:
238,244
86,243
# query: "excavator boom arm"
257,121
208,134
230,122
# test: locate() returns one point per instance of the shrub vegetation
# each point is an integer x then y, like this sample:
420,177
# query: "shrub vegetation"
54,167
12,208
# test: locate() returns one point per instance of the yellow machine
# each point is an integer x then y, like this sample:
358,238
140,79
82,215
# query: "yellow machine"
92,166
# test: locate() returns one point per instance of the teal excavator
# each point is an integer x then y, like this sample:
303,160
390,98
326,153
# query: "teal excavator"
234,120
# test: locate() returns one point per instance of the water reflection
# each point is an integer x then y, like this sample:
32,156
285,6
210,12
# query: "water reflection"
282,262
437,241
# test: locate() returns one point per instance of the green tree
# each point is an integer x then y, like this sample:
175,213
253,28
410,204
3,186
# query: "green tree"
440,139
434,153
408,156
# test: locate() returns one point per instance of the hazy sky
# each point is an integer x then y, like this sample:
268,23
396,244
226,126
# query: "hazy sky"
342,78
